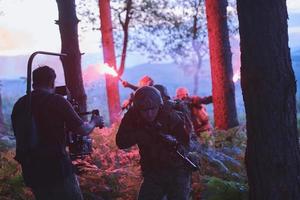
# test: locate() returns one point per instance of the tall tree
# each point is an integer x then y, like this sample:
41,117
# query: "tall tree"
2,126
68,27
225,114
161,30
122,11
172,30
124,22
198,47
269,92
112,88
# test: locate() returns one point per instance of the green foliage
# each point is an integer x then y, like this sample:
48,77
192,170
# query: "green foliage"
218,189
116,173
110,173
207,138
233,137
222,164
11,181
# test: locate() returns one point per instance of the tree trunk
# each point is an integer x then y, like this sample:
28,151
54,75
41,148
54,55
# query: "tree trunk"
68,22
196,74
196,47
125,27
225,114
269,92
112,87
2,125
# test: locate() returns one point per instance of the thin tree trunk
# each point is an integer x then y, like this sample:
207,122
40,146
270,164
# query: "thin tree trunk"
2,126
195,47
112,88
269,92
68,22
223,91
196,75
125,27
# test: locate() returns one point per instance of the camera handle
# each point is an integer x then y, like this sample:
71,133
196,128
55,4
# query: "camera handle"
29,72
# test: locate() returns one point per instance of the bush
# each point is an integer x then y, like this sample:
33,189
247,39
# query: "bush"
11,182
218,189
116,173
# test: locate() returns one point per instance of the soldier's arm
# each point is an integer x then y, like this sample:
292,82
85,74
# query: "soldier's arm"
73,120
129,85
87,127
126,135
201,100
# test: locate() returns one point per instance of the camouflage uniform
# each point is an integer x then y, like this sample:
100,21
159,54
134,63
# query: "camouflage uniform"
193,106
163,171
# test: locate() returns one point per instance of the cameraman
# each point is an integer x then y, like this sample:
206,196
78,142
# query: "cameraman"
46,166
195,108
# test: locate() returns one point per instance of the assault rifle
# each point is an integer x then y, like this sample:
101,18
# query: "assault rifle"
172,143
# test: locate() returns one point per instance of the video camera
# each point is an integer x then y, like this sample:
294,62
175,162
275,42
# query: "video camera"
79,145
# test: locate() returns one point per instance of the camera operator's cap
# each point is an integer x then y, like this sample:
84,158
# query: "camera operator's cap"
147,97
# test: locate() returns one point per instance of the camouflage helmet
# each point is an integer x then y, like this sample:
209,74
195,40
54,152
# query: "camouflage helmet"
163,91
147,97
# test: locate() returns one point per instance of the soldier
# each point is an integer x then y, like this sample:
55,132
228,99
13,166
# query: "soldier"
156,130
163,91
196,108
144,81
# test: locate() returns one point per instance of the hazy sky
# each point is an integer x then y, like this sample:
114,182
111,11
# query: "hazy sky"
28,25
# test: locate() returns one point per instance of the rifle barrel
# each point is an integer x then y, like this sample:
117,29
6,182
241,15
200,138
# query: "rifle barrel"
187,160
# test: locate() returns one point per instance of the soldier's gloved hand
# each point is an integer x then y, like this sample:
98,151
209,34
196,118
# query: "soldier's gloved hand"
126,104
153,127
169,140
125,84
98,120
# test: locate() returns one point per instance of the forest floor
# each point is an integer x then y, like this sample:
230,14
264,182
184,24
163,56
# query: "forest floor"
110,173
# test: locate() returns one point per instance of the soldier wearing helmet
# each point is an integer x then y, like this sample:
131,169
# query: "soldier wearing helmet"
144,124
163,91
144,81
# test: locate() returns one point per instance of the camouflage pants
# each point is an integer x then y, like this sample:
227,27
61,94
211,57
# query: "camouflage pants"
68,189
175,185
